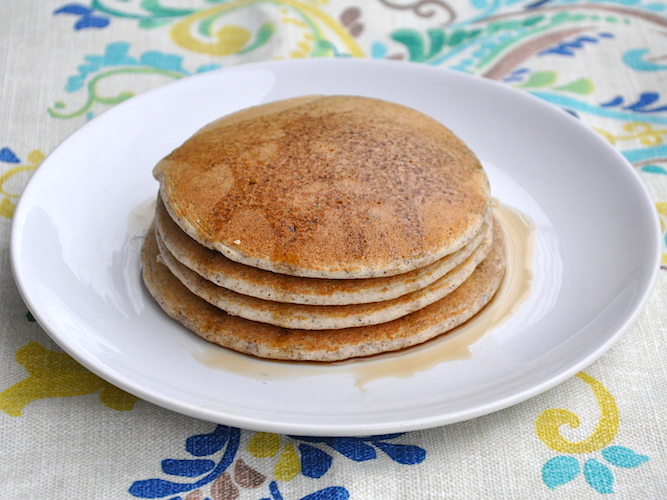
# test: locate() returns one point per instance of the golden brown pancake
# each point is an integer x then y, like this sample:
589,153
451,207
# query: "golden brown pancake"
327,187
268,341
316,317
246,280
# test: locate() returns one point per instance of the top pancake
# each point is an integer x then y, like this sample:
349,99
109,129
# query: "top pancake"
327,187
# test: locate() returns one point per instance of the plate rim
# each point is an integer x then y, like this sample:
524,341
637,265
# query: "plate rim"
144,393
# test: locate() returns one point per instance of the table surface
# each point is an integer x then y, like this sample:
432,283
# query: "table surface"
66,433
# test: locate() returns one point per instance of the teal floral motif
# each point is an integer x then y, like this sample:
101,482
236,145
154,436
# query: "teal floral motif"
620,456
115,61
560,470
645,155
479,43
573,104
599,476
476,44
654,169
640,60
563,469
496,40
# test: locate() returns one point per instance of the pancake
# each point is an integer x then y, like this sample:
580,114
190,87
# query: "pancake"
334,187
246,280
313,317
268,341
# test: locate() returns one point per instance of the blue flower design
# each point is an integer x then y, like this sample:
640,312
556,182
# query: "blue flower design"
212,455
8,156
569,48
315,462
204,471
330,493
87,18
644,104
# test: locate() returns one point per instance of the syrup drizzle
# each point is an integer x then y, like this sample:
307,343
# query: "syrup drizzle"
452,346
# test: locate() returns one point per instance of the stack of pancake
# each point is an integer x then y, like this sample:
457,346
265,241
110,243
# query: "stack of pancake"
322,228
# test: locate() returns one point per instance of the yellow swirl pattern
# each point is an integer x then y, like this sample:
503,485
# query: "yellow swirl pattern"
8,199
548,423
231,39
644,132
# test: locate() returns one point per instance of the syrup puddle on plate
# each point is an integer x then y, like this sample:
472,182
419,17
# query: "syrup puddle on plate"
451,346
141,217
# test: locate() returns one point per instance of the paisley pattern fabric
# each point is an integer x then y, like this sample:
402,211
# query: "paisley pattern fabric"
69,434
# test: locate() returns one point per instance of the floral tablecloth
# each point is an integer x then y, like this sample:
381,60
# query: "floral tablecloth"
66,433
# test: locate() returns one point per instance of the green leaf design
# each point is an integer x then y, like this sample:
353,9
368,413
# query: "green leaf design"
205,26
457,37
152,22
154,7
413,41
540,79
437,37
263,34
580,86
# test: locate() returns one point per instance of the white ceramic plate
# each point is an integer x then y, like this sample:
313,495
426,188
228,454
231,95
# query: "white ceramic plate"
76,238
